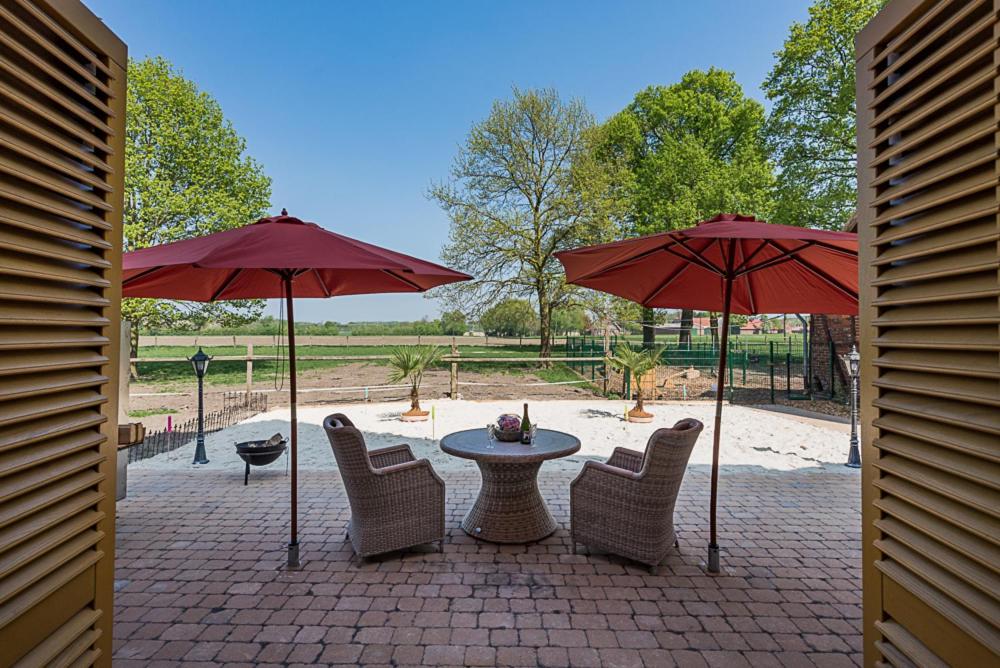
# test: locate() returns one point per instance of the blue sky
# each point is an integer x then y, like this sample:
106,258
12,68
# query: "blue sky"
354,108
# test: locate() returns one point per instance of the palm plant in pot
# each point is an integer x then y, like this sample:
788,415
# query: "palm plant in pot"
638,363
409,363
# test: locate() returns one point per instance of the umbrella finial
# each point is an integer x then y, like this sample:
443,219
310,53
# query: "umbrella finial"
284,211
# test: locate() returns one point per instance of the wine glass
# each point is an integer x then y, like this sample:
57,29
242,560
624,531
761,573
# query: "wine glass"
490,435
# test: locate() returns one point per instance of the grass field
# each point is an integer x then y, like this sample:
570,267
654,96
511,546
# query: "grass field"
230,372
169,375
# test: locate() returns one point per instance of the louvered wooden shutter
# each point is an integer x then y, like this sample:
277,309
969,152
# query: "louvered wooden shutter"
928,220
62,103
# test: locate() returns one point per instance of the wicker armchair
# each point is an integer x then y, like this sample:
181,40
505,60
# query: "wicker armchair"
626,506
397,501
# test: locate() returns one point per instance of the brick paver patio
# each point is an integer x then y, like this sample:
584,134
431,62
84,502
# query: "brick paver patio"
199,581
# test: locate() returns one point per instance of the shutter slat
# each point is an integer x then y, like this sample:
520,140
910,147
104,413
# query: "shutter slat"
47,585
955,413
956,103
949,461
977,614
939,31
983,364
34,338
941,483
953,47
49,517
69,115
941,241
79,627
24,290
952,72
37,408
22,123
909,650
13,461
64,59
985,553
74,87
23,241
40,499
57,184
25,553
50,360
941,435
958,261
84,51
27,219
42,154
981,526
978,390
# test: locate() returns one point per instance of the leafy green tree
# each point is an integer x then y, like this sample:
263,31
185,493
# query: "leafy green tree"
520,192
569,319
453,323
682,153
811,128
511,317
186,174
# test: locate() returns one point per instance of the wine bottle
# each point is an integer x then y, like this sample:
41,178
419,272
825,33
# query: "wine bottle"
525,426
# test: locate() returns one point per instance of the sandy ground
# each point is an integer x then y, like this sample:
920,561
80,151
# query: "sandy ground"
751,437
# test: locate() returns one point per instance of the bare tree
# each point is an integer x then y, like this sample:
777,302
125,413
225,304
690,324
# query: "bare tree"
522,188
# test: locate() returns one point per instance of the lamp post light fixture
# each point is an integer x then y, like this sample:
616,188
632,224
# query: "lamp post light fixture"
853,362
200,363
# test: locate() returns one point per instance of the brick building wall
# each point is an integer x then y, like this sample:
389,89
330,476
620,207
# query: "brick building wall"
842,331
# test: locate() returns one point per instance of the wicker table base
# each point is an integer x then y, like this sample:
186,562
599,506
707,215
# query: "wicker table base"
509,509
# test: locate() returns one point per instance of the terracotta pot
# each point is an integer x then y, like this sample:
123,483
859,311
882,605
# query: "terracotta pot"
639,416
413,415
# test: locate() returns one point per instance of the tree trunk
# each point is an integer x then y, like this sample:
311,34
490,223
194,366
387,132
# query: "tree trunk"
134,349
415,399
713,324
687,322
648,328
544,325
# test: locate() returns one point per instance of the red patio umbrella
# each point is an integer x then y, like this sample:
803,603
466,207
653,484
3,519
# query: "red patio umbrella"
278,257
732,264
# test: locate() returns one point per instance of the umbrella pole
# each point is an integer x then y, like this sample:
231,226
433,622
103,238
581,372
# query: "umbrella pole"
713,544
293,544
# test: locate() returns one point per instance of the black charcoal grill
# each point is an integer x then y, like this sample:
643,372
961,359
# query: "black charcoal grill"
261,453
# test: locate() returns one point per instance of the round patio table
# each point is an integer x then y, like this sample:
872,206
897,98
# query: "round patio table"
509,508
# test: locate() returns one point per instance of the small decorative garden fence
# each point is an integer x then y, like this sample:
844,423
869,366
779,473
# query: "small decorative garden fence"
236,406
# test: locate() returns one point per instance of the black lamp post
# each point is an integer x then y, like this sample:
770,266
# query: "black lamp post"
853,362
200,363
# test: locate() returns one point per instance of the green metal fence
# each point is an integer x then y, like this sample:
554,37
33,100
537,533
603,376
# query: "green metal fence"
758,371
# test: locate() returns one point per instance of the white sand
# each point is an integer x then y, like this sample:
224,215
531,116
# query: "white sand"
750,437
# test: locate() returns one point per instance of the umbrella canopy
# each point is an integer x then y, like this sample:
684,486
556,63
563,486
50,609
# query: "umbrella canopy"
251,262
279,256
774,268
731,264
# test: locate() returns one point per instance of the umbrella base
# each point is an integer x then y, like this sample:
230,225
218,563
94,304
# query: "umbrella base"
713,559
422,416
293,555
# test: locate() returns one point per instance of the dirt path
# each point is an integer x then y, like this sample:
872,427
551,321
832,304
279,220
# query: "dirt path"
472,385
